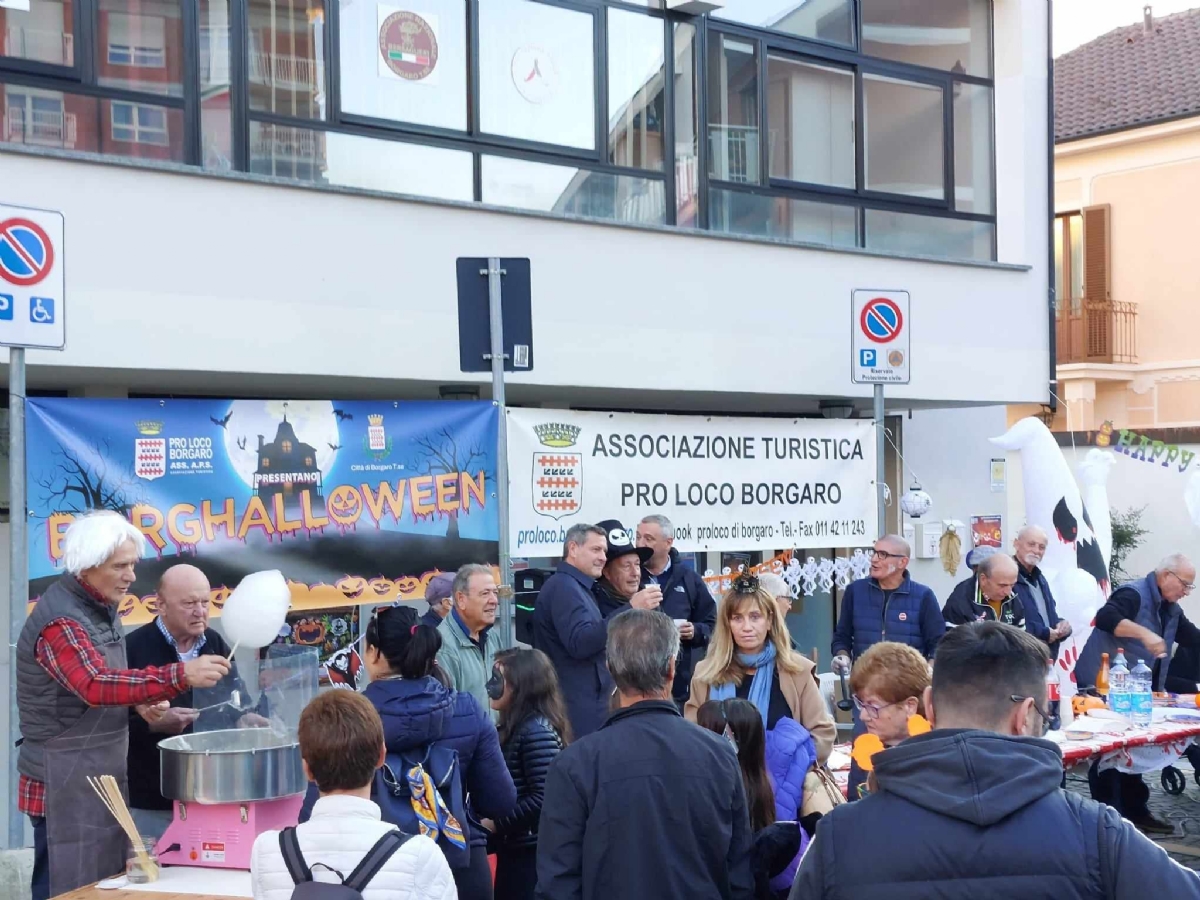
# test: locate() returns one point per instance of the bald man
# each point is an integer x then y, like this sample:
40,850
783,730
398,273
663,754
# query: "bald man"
987,595
1041,617
180,633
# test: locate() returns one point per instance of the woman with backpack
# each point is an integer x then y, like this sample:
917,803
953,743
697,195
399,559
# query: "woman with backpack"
533,729
777,844
448,733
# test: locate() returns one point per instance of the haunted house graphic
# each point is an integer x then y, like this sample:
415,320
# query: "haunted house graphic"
287,466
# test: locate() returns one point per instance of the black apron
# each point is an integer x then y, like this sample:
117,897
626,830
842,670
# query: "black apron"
86,844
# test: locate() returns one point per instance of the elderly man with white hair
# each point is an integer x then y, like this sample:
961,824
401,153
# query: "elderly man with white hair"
1144,619
1041,616
73,695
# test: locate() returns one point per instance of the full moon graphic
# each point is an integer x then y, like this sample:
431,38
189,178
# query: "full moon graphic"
313,421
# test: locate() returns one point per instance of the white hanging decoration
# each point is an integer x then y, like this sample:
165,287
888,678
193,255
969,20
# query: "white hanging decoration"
915,502
860,565
825,570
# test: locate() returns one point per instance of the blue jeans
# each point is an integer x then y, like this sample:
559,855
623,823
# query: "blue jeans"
40,883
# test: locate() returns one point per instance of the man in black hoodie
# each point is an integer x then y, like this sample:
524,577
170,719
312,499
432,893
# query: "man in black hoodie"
974,808
685,598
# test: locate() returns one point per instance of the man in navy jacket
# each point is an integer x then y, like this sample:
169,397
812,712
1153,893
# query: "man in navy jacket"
1041,616
570,629
887,606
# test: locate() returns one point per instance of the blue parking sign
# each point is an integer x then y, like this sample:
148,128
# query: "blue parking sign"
866,357
6,306
41,310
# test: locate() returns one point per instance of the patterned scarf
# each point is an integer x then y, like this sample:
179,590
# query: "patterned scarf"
433,818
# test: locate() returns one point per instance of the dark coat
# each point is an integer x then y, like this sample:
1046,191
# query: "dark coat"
1033,619
980,815
1184,673
961,608
144,647
569,628
686,596
911,616
528,755
650,805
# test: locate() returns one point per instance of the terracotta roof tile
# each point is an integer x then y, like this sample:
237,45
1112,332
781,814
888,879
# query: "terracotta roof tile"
1129,77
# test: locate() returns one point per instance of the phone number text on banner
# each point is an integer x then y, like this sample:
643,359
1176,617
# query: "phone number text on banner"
355,502
725,483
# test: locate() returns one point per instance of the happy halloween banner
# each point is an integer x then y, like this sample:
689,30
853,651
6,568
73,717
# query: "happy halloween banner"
354,502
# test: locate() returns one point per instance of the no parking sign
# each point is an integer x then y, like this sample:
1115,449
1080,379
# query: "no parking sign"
881,342
32,282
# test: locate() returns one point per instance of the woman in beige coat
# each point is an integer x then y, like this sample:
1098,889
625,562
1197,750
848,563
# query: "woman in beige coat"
750,657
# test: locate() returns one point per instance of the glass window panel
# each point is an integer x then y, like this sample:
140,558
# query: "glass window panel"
140,46
637,99
346,160
893,232
952,35
811,114
537,73
758,215
44,33
216,124
973,148
1059,258
733,109
286,57
405,64
824,20
904,137
1075,236
570,191
686,130
64,121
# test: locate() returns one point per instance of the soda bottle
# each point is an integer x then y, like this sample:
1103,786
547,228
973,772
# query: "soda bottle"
1143,697
1120,697
1053,705
1102,677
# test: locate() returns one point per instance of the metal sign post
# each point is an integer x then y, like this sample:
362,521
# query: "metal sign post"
496,319
18,574
880,352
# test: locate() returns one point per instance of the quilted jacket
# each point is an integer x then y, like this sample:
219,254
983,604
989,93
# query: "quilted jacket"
790,754
339,834
528,754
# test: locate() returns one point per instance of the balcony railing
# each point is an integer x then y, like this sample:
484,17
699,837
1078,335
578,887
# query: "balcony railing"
52,47
48,129
1096,331
734,150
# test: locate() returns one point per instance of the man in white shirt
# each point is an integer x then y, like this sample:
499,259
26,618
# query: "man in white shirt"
341,742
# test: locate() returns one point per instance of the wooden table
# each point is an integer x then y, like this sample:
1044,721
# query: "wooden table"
94,893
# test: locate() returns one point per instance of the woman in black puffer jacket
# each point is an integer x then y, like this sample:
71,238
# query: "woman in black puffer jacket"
533,729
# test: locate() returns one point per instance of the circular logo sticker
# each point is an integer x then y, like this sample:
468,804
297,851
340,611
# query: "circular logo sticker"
534,74
408,46
896,358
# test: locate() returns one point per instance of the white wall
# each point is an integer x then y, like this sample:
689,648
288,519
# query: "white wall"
949,451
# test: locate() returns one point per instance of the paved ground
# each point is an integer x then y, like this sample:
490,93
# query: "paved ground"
1182,810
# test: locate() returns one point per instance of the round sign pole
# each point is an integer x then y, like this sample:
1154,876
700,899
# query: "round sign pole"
880,468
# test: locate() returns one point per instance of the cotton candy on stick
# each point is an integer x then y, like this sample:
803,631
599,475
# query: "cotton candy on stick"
256,610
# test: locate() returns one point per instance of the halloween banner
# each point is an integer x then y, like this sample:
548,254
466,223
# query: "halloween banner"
725,483
355,502
1145,449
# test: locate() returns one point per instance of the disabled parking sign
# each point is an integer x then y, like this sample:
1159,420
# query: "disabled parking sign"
32,279
880,346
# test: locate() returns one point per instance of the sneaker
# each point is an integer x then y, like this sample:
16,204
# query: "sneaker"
1149,825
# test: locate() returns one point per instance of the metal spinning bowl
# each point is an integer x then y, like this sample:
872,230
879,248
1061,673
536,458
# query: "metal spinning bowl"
240,765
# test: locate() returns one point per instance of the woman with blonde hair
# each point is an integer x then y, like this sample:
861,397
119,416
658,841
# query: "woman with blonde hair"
750,658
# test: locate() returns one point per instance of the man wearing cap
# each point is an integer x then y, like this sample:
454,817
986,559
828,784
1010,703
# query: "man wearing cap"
620,584
437,595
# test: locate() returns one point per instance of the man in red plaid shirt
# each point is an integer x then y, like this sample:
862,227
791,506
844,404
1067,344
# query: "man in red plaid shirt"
73,695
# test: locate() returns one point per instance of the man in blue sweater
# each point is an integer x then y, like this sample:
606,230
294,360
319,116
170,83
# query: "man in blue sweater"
887,606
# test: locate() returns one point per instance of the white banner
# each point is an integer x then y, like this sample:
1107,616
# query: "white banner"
725,483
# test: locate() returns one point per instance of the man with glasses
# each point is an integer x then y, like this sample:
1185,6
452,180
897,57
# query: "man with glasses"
975,808
887,606
1144,619
179,633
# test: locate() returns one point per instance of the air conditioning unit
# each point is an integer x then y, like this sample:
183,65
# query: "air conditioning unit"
694,7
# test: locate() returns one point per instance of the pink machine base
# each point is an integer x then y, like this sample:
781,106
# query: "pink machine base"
222,836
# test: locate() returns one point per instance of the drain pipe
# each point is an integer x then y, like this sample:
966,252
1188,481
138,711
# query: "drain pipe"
1051,287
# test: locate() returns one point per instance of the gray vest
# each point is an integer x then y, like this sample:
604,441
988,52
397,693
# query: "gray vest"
1149,616
46,708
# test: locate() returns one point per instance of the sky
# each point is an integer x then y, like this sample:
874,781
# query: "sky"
1079,21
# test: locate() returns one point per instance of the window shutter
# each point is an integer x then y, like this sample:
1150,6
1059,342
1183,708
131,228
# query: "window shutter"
1097,272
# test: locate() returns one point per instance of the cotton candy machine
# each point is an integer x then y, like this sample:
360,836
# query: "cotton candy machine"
239,773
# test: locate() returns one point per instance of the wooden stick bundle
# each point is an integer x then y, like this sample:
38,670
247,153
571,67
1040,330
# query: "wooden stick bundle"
109,792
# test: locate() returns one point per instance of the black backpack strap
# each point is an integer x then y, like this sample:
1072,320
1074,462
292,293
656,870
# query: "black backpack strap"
289,846
375,859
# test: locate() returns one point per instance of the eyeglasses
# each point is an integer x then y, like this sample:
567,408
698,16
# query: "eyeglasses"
869,710
883,554
1188,586
1017,698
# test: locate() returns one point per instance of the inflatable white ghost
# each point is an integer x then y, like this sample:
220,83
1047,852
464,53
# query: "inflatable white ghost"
1079,540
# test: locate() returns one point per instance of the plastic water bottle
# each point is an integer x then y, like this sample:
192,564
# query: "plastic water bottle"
1120,688
1143,697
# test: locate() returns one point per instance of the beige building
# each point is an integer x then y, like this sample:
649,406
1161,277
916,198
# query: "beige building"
1127,190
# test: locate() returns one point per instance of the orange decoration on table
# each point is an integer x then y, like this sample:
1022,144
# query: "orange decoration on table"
865,747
